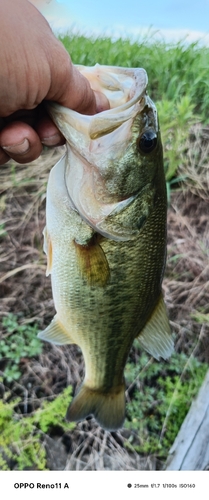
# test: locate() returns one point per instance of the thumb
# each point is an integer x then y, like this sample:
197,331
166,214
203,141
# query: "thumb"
70,88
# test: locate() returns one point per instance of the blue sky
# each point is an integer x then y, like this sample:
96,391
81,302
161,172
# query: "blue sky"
173,19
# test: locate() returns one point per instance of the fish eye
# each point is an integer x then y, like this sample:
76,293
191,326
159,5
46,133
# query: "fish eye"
147,141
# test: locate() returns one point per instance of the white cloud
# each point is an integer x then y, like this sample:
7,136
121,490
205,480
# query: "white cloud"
62,25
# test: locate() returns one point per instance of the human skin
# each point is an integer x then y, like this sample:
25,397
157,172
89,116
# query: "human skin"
35,67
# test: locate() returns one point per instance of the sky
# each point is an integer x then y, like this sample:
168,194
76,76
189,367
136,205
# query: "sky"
170,19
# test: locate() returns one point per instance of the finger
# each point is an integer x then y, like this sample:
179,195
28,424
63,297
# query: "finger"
4,158
48,132
20,142
82,98
70,88
40,121
102,103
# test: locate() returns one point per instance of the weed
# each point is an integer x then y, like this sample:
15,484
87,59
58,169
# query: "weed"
175,123
174,70
20,341
53,414
3,231
21,438
160,403
200,317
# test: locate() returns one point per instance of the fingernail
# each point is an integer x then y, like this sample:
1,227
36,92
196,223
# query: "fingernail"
18,149
53,140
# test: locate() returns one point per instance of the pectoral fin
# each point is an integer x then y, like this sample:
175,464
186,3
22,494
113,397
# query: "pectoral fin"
156,337
92,263
55,333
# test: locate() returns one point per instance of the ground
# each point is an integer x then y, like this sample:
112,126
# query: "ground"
26,292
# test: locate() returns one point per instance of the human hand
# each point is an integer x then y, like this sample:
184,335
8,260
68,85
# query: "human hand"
34,67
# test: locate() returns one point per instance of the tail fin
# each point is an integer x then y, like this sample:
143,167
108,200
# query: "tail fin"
108,408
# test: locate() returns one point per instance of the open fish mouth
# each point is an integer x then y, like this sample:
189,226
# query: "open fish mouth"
91,138
124,89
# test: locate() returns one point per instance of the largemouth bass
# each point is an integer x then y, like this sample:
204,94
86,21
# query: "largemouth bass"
105,239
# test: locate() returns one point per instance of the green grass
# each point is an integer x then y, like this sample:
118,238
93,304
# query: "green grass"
19,341
21,438
174,71
161,400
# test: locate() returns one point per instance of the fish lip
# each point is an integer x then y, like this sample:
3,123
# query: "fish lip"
114,116
139,86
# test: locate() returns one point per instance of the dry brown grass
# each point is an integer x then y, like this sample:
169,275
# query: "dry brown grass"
186,282
25,289
196,167
23,286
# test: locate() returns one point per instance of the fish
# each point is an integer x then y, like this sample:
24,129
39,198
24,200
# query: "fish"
105,239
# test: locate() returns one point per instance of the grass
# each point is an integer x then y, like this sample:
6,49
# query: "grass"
174,70
20,342
178,83
162,397
22,439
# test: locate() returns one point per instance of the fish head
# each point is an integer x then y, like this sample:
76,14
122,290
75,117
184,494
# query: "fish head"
113,158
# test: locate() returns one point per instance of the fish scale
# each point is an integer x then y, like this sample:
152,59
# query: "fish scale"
106,248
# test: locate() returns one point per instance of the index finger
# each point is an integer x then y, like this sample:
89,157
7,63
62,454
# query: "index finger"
71,89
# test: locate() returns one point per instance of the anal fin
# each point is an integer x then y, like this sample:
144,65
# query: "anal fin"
55,333
156,337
